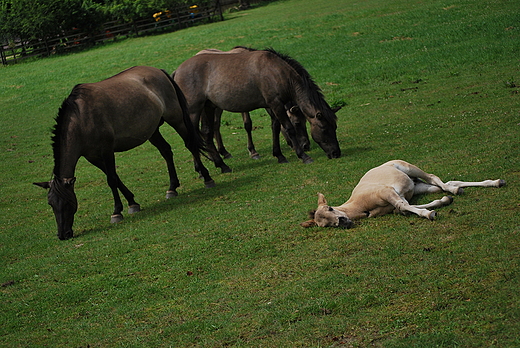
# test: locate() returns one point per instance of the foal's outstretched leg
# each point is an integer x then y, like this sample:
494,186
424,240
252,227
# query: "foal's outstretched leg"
165,149
485,183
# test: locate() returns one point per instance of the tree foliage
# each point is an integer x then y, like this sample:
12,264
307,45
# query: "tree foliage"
46,18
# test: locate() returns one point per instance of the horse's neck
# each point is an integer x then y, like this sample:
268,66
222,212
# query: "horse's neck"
65,160
302,96
353,210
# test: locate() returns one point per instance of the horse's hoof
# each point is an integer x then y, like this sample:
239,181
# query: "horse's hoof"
307,160
134,209
210,184
116,218
227,155
255,157
171,194
225,169
501,183
447,200
282,159
459,191
432,214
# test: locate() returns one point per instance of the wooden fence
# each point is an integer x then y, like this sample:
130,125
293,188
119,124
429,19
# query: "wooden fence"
182,17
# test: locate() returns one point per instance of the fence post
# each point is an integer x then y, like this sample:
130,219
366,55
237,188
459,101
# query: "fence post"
4,58
217,6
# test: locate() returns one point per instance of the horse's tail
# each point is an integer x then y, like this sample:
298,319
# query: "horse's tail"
195,142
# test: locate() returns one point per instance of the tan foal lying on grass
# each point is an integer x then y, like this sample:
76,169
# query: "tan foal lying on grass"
387,189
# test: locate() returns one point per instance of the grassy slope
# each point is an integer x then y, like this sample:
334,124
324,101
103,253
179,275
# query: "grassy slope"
230,265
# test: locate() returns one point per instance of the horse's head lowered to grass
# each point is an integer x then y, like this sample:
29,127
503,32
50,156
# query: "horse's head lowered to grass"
62,199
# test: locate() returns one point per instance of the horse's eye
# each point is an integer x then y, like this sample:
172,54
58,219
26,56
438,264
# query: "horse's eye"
330,209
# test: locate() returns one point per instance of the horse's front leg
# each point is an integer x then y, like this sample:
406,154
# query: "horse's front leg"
108,166
277,151
207,128
281,115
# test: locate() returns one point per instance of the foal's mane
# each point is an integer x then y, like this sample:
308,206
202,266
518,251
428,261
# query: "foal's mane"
315,93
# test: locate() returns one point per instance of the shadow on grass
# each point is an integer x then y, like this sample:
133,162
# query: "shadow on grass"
196,196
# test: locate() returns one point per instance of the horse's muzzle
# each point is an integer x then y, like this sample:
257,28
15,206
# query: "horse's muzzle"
345,222
334,154
65,235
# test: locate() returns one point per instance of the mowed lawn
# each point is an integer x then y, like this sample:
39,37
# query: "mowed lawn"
433,83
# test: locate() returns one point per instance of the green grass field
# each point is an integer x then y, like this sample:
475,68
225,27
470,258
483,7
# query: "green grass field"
434,83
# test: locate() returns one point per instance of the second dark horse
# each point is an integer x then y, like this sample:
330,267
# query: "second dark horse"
253,79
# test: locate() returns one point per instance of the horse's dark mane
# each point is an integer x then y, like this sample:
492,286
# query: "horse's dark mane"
246,48
68,106
316,94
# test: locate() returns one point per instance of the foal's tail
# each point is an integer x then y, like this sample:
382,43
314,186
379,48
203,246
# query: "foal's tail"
195,143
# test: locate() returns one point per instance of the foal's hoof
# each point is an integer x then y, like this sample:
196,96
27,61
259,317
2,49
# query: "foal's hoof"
501,183
171,194
116,218
210,184
255,157
459,191
447,200
432,215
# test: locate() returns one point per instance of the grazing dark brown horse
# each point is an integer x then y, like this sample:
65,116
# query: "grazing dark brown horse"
114,115
293,112
252,79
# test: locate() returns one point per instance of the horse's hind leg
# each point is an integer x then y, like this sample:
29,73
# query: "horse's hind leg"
248,126
191,141
485,183
218,137
432,179
165,149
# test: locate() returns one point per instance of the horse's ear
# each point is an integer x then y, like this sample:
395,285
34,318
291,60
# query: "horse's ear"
336,109
45,184
321,199
294,109
307,224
